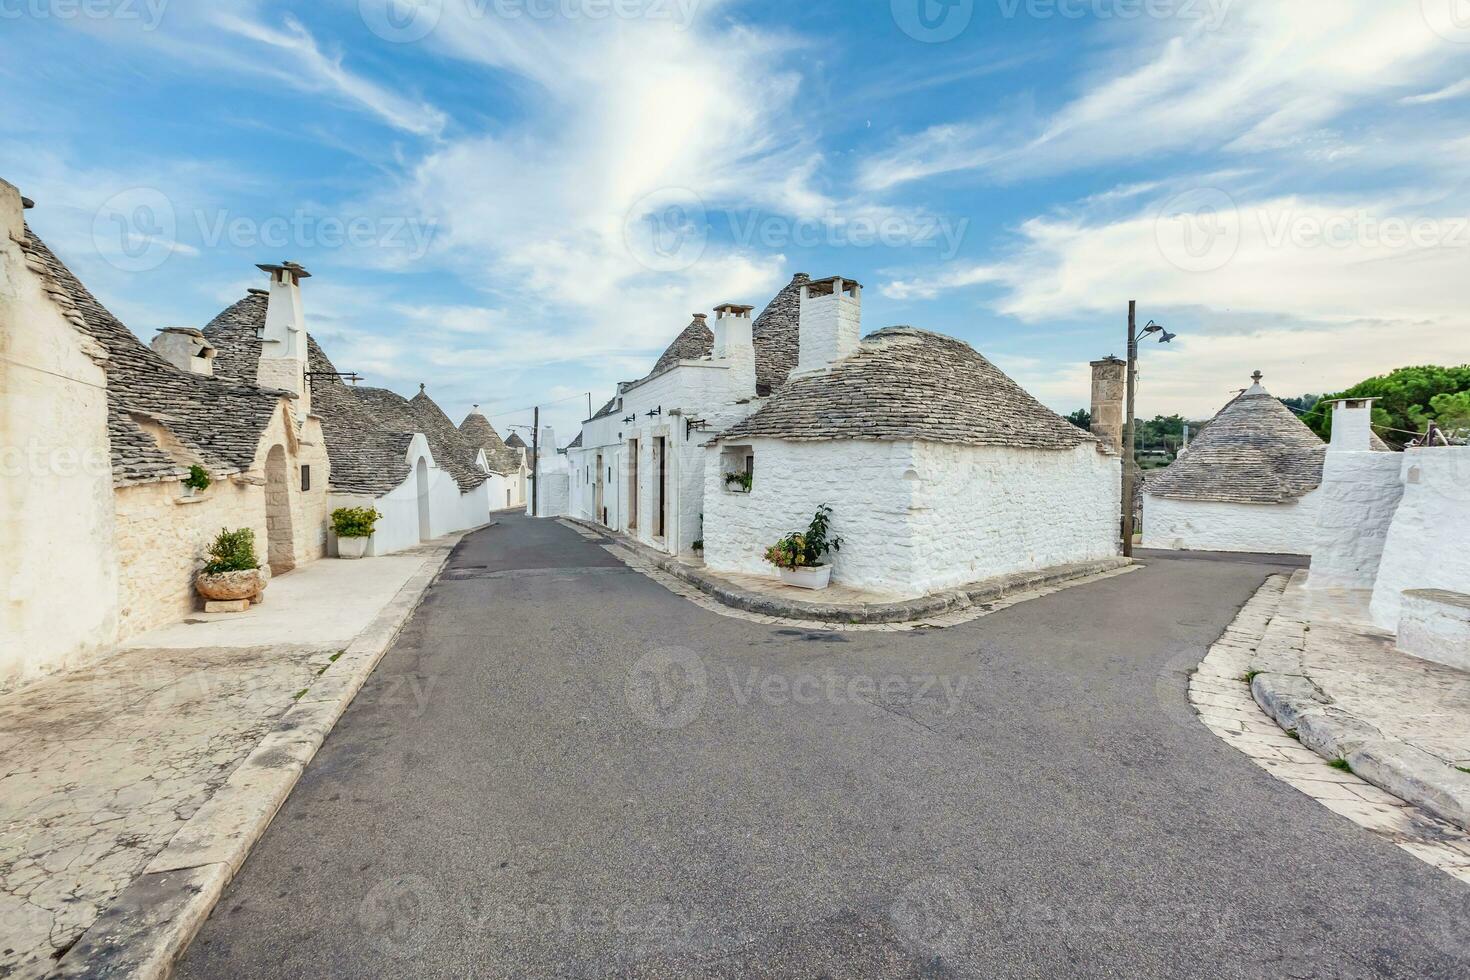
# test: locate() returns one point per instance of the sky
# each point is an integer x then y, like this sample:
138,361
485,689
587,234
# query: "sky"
521,202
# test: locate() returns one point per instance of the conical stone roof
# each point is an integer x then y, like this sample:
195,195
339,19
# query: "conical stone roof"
1255,451
477,429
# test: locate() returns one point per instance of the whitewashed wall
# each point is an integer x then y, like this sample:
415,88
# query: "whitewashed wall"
917,517
1359,494
1428,544
58,569
1190,525
449,509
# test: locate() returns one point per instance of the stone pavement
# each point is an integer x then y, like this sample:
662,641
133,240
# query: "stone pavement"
1277,631
101,768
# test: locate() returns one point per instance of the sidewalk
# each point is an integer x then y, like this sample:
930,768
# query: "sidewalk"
1330,676
107,771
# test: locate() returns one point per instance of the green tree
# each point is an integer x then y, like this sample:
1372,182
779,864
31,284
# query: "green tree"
1081,418
1406,401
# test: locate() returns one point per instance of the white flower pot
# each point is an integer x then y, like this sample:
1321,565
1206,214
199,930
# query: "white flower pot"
808,578
352,547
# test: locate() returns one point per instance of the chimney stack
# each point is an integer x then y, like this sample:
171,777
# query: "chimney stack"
1109,393
186,349
1352,425
831,323
283,347
734,332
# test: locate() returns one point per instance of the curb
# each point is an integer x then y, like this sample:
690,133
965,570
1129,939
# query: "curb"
1411,774
925,607
152,921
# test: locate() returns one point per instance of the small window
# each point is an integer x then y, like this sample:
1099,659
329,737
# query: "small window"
305,478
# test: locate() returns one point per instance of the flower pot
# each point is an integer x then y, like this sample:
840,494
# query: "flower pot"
352,547
817,577
232,586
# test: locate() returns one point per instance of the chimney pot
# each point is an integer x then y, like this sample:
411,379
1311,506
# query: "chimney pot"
830,322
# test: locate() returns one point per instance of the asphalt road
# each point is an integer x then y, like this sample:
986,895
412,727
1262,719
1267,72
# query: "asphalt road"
561,769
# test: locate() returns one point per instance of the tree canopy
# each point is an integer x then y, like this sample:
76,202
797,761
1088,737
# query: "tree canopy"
1407,401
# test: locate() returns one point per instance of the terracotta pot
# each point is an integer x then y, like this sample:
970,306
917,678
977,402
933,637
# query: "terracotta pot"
228,586
818,577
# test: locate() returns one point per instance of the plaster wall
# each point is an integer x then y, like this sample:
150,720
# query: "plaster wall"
449,509
1360,492
1191,525
1428,543
58,566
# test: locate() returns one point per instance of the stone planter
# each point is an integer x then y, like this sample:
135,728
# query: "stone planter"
352,547
818,577
233,586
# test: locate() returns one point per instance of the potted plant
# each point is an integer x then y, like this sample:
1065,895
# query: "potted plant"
232,571
739,482
353,527
798,556
197,481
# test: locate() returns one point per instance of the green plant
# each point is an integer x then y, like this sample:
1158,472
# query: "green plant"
354,522
742,480
1249,675
198,478
232,551
804,549
1342,764
699,545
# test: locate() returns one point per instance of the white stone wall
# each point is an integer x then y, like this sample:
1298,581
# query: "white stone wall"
831,328
449,509
58,567
1428,544
1359,494
1192,525
917,517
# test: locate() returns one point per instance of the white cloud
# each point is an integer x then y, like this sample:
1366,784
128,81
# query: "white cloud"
1454,91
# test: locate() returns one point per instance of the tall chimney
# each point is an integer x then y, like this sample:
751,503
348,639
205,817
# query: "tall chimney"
831,323
283,348
734,332
1352,425
1109,393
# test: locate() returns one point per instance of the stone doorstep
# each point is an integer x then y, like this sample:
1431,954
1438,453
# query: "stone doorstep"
152,921
928,607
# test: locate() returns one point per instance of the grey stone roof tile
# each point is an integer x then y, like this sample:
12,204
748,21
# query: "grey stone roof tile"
478,430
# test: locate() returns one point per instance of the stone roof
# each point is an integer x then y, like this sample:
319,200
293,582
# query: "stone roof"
367,430
217,422
515,441
776,334
1255,451
907,384
478,430
576,443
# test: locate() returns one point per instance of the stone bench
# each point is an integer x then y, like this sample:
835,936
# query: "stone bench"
1435,625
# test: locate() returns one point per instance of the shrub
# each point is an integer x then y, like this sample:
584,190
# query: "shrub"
742,480
354,522
804,549
198,478
232,551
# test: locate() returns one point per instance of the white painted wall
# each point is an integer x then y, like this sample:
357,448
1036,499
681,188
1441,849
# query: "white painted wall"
1194,525
58,570
449,509
917,517
1428,544
1360,492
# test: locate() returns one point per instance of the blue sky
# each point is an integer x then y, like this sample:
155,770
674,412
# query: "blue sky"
520,201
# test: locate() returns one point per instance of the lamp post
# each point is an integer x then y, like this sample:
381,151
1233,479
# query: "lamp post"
1129,464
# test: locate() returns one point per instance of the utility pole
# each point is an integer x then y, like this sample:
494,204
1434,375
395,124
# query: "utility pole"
535,461
1127,446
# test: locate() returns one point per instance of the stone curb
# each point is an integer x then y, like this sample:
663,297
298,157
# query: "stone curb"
925,607
152,921
1409,773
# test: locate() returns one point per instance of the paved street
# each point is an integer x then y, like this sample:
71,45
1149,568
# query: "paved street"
562,769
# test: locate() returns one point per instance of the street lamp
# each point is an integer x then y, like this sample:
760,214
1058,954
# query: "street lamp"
1163,336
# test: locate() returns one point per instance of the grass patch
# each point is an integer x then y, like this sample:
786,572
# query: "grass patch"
1250,675
335,657
1293,733
1463,768
299,694
1340,763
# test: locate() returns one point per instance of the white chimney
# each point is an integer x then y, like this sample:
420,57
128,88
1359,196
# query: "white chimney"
734,331
186,349
831,322
283,347
1352,425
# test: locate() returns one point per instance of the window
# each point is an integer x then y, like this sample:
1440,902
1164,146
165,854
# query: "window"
305,477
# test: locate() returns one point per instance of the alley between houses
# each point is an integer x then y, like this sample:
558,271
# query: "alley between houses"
595,777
